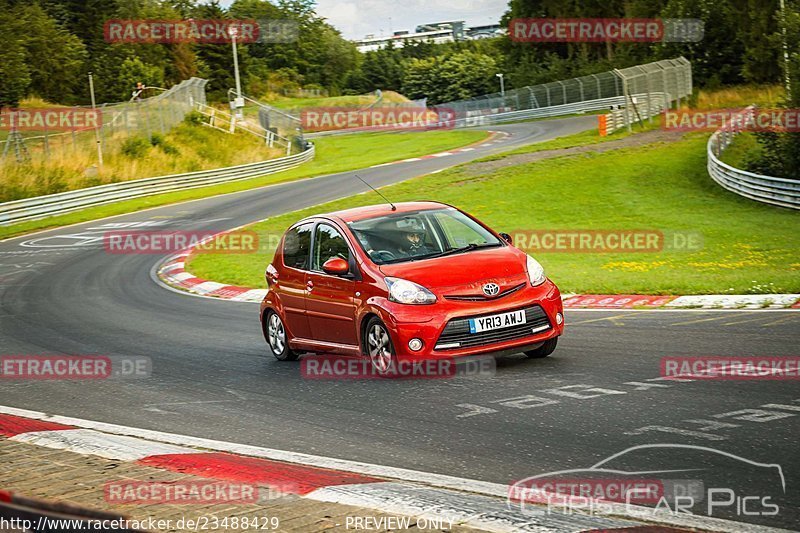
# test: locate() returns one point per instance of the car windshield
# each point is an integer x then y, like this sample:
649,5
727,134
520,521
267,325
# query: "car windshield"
412,236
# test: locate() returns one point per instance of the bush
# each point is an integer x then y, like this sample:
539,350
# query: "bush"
170,149
194,118
51,181
11,188
778,155
158,140
135,147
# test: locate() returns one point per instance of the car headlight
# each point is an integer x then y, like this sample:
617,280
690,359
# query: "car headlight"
407,292
535,272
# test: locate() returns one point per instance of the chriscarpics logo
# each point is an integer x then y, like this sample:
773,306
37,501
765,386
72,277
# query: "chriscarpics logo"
658,480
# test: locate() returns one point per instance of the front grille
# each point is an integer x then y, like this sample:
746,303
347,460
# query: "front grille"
457,330
483,297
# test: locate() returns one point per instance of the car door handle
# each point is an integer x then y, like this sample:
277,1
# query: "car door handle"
310,285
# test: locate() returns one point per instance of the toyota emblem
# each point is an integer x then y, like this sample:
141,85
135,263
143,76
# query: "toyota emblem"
491,289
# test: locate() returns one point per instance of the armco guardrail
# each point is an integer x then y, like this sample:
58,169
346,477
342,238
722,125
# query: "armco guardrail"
66,202
782,192
542,112
497,117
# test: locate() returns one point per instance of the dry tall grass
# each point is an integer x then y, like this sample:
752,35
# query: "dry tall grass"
72,160
740,96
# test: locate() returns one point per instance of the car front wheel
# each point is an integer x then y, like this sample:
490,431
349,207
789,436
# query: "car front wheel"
544,350
278,340
379,347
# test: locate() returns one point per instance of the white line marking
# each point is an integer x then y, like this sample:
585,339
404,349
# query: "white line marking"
208,286
483,488
255,295
174,266
780,320
454,508
88,442
748,301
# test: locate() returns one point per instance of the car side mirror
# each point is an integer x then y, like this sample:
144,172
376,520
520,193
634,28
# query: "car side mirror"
506,237
336,266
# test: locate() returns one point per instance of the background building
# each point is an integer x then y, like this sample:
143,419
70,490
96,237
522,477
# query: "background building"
436,32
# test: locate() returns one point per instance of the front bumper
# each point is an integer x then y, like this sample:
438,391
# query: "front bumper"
440,340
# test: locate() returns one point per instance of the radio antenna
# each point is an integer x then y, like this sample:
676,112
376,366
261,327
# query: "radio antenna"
377,191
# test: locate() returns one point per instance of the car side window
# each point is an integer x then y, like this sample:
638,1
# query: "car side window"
297,246
328,243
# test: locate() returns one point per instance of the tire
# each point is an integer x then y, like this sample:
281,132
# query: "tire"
544,350
278,341
378,348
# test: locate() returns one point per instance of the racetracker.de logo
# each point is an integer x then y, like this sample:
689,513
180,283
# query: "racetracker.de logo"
51,118
73,367
333,367
597,30
731,368
377,118
566,491
160,242
210,31
734,119
179,492
606,241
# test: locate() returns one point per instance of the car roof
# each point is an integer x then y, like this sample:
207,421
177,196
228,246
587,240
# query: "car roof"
378,210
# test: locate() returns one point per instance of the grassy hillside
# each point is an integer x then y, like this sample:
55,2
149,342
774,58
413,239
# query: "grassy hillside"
747,247
334,154
185,148
283,102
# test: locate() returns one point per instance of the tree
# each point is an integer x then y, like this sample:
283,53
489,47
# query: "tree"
14,74
132,71
53,55
465,75
383,69
420,80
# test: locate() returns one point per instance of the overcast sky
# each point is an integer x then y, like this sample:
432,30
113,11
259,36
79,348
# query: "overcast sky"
356,18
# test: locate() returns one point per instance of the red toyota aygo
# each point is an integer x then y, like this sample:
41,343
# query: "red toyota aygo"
411,281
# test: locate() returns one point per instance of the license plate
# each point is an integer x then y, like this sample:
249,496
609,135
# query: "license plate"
499,321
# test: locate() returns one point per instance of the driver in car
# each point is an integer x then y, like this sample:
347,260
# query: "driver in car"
413,244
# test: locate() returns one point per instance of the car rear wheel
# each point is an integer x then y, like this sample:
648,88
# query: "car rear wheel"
379,347
278,340
544,350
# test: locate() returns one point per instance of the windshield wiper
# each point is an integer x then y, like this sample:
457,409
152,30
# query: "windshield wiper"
467,248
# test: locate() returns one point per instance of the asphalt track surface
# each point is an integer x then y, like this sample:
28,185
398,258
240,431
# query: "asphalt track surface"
213,377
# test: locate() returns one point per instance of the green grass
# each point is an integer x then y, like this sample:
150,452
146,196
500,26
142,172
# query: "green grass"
744,149
747,247
334,154
583,138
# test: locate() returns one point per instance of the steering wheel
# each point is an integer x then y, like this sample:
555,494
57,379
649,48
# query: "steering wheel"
382,255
